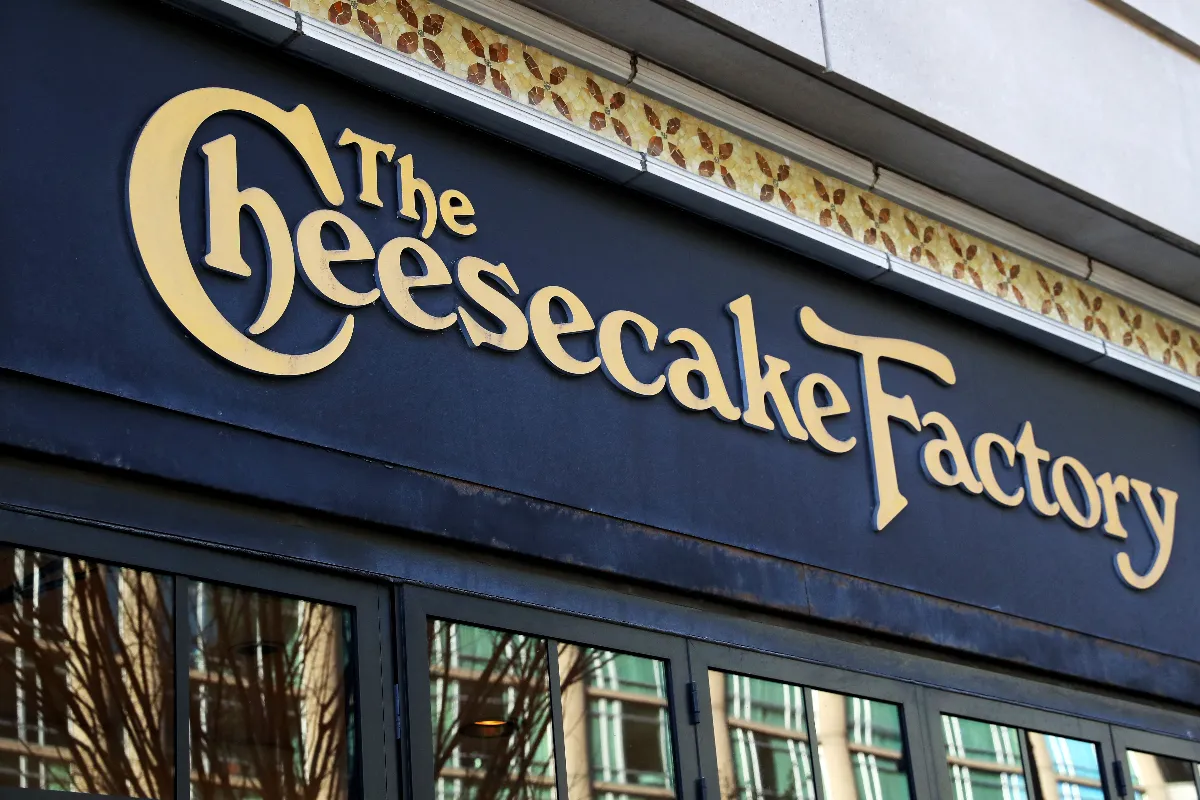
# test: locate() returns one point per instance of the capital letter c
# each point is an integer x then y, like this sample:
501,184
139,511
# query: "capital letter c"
155,174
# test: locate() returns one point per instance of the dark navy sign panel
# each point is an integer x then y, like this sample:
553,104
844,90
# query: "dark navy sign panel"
75,307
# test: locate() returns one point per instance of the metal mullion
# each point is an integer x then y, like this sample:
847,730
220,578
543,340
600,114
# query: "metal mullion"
183,763
556,720
814,756
1026,761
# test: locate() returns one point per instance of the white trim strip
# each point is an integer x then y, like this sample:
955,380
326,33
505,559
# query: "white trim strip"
735,209
1163,302
534,28
410,79
1150,374
973,220
703,102
969,302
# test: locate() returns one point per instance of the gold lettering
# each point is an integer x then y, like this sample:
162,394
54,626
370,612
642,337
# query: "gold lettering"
814,415
316,260
369,152
758,386
514,331
881,407
225,204
1091,495
547,332
409,186
612,355
1162,529
1032,458
951,445
981,451
155,173
703,363
454,204
1112,489
397,287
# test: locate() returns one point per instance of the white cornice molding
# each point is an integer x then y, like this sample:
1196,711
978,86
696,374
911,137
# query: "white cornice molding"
532,27
973,220
1150,374
1120,283
710,199
703,102
991,311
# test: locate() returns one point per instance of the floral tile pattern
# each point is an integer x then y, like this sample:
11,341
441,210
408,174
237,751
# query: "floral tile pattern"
475,53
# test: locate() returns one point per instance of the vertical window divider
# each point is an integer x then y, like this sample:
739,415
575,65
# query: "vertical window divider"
183,762
810,722
556,720
1026,760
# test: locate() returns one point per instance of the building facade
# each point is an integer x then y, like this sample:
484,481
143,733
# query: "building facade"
578,401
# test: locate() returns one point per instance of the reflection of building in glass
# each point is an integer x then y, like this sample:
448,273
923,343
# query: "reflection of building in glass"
764,747
490,703
625,749
91,709
984,760
492,710
985,763
762,739
860,745
1161,778
90,704
270,713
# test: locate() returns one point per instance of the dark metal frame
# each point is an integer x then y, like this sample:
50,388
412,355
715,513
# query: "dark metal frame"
369,603
938,703
814,659
705,657
419,605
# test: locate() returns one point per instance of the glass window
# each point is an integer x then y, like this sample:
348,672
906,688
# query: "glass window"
1064,768
1161,778
491,709
86,676
860,747
985,762
616,725
271,703
762,740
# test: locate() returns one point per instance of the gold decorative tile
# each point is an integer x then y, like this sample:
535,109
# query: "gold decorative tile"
525,74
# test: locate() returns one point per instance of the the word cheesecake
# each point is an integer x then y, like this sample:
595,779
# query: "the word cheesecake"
1007,471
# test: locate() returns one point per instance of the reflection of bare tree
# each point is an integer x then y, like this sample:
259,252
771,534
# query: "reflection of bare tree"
91,649
507,680
269,706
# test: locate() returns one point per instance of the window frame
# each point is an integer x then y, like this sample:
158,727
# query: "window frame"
706,656
1023,718
1143,741
418,604
185,562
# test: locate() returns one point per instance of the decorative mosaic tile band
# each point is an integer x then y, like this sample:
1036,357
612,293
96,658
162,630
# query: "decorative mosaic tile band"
499,63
